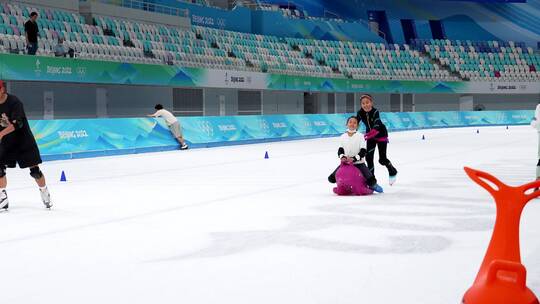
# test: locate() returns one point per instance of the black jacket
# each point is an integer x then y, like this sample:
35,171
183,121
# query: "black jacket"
372,120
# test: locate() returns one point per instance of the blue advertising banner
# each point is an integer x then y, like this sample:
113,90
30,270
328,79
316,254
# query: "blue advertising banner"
39,68
74,138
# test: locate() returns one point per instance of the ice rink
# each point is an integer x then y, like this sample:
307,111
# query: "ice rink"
225,225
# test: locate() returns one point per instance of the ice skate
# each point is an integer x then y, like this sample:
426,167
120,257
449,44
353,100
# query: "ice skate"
46,197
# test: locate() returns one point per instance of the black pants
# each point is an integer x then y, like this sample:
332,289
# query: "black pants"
32,48
383,160
370,179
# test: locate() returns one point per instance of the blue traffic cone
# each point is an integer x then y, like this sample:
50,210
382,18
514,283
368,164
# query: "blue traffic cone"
63,177
506,127
477,131
266,155
423,137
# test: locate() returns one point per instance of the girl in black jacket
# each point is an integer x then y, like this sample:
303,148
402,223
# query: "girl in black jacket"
376,136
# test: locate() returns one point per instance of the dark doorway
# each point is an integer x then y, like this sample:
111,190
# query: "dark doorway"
349,103
310,103
437,29
331,103
409,30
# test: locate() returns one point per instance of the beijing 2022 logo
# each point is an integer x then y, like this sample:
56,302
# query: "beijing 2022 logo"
206,127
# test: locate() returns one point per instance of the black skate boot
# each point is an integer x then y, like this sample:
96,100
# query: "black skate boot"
392,174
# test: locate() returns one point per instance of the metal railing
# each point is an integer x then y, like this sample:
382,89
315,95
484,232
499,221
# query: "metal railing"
250,5
145,6
331,15
379,32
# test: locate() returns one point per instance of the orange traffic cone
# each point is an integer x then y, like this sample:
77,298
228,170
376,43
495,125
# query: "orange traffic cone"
502,277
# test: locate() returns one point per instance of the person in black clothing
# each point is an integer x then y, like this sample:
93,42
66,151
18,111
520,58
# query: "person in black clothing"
18,146
32,31
376,136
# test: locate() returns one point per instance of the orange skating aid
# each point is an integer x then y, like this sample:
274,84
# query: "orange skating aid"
502,277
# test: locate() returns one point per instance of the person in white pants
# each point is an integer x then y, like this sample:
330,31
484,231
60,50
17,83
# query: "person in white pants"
535,123
172,123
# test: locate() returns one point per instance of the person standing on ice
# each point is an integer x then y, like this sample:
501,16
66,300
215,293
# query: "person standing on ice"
18,146
376,136
172,123
352,148
535,123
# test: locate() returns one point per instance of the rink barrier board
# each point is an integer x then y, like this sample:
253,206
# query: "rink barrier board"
91,154
83,138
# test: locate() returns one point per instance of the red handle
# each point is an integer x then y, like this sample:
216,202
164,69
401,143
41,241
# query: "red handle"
529,186
479,177
501,265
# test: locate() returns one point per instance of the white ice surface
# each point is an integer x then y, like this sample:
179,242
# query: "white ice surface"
225,225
